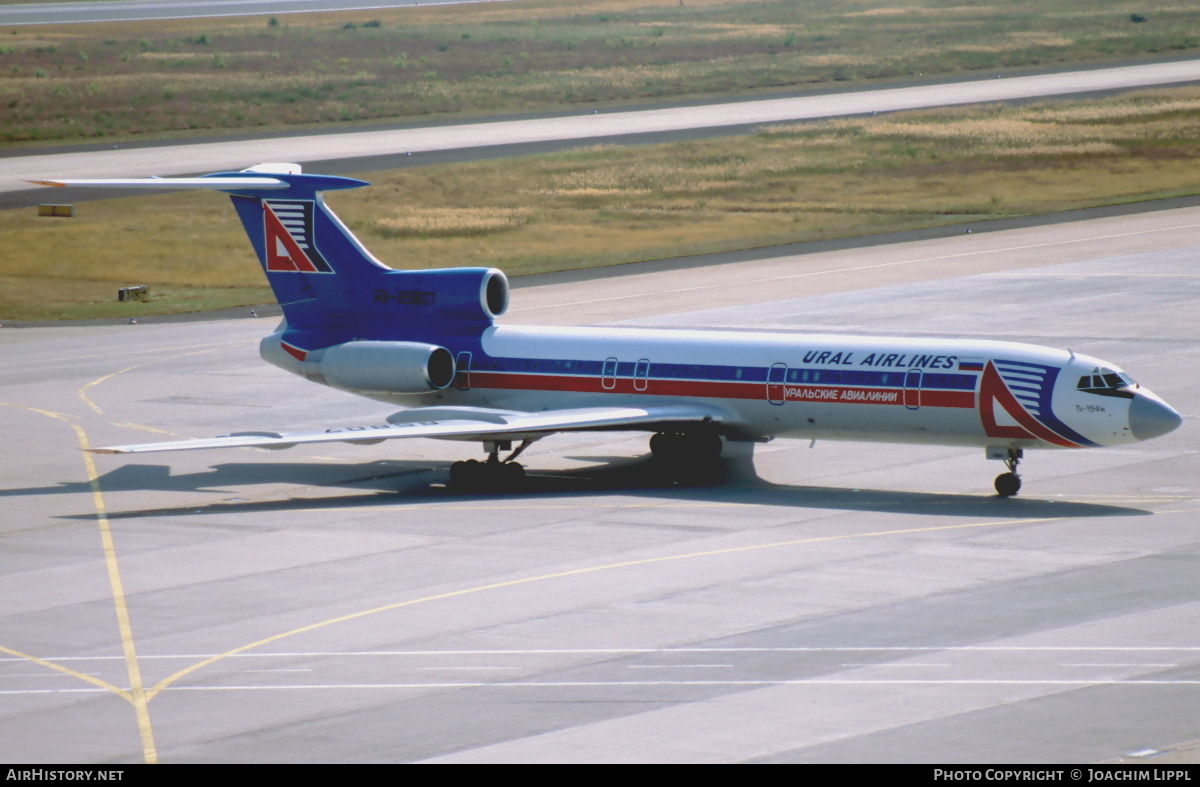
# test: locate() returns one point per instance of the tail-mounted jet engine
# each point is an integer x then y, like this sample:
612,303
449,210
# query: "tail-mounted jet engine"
432,305
456,300
382,367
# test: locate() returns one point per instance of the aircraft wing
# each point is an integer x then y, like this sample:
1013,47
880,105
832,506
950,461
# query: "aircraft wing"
455,423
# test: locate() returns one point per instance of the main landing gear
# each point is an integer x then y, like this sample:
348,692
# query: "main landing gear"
687,456
493,474
1008,484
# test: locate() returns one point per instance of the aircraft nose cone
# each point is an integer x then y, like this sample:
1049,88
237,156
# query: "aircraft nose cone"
1150,417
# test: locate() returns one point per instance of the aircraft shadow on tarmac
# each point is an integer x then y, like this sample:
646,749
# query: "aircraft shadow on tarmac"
393,483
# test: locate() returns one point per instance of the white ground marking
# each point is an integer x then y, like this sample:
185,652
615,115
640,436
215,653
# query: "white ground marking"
1120,665
594,684
636,651
678,666
901,665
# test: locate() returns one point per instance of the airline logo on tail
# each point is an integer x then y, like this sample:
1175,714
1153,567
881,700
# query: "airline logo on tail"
288,225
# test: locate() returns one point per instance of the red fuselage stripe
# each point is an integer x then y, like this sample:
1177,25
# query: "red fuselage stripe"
720,390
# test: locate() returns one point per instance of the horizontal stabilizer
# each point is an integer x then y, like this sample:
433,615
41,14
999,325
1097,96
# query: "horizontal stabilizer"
267,176
498,425
222,183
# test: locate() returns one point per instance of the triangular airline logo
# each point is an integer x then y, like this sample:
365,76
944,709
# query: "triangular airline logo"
288,229
994,396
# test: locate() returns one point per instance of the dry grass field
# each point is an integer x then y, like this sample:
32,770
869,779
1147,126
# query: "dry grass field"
123,80
610,204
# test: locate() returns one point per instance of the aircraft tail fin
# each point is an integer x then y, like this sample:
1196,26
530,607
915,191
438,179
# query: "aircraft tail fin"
330,287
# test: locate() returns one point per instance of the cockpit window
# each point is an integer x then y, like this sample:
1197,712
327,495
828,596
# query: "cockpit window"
1106,382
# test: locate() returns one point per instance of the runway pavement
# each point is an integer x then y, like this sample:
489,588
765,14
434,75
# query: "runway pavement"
844,602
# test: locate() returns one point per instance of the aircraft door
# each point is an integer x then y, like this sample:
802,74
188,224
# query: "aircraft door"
641,374
608,378
462,371
912,389
776,379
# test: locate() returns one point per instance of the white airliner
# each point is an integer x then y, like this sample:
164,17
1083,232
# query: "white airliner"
428,340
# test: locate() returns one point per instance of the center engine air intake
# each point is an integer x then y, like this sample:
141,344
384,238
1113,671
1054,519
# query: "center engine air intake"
493,293
383,367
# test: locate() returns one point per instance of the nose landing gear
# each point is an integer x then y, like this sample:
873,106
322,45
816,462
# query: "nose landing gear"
1008,484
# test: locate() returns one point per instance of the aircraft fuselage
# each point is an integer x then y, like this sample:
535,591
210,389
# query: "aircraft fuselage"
768,384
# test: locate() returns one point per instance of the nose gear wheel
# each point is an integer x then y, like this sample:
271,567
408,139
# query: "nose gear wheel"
1008,484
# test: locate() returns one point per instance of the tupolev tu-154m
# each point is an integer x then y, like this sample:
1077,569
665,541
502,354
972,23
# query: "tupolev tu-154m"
428,340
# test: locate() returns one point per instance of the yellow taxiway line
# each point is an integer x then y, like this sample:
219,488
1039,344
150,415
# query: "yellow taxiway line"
137,693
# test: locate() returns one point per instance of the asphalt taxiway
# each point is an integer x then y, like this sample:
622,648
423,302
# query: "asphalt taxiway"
840,602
